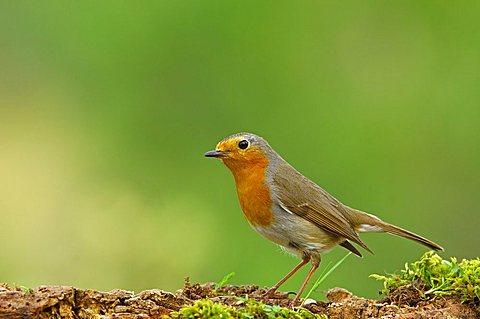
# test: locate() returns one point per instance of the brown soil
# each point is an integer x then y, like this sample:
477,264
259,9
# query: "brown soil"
70,302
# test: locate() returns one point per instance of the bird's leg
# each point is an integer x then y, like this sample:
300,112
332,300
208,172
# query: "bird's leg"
272,290
315,264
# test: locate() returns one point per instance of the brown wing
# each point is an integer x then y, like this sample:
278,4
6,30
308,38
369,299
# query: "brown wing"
301,196
346,244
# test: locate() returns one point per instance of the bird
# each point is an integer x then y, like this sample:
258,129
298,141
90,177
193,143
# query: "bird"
292,211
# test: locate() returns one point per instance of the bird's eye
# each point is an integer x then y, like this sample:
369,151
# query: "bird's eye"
243,144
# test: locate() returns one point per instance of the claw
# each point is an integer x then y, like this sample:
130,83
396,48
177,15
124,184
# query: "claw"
293,303
274,294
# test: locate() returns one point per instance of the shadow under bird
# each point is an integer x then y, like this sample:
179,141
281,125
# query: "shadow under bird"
292,211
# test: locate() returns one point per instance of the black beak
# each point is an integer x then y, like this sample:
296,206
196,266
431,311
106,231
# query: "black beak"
215,153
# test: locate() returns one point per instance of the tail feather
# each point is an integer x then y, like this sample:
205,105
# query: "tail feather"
370,223
408,234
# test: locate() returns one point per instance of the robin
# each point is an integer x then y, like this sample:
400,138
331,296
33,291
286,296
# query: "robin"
287,208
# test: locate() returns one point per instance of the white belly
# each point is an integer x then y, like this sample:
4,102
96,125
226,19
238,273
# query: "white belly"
297,235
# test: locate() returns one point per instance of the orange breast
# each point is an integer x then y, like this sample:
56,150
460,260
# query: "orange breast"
253,193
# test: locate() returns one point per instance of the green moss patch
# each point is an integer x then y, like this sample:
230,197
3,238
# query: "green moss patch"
247,309
435,276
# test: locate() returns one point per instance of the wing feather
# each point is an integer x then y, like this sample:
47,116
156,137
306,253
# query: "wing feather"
299,195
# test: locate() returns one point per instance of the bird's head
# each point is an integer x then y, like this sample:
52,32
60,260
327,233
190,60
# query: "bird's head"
242,150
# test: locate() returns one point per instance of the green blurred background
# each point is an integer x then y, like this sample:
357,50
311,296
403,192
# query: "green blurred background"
106,109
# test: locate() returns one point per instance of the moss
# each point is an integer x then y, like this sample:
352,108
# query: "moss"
205,308
441,277
249,308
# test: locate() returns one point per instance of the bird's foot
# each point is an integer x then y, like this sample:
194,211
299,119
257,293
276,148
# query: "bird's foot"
293,303
269,293
272,293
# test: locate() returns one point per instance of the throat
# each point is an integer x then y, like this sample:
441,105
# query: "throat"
254,195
